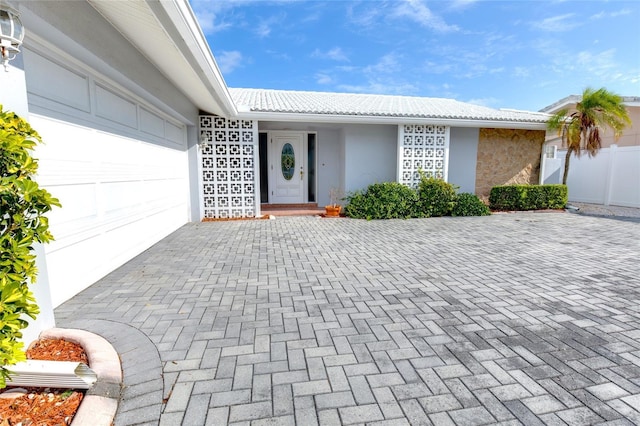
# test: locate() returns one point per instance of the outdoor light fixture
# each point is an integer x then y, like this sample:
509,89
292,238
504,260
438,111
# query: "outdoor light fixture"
11,33
204,139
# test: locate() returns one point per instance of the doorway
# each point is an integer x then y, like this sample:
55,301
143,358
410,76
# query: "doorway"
287,163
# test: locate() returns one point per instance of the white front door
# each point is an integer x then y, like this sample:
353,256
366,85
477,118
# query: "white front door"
287,174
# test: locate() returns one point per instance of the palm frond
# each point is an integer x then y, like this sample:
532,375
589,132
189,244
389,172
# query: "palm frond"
582,130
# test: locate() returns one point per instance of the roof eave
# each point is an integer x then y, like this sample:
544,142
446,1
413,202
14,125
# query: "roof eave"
395,120
180,50
571,100
183,17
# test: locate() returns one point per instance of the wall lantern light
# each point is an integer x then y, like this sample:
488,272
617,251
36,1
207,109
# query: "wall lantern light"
204,139
11,33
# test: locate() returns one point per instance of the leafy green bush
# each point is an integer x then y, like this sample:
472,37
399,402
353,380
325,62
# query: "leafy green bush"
528,197
505,197
22,224
557,196
386,200
436,197
469,205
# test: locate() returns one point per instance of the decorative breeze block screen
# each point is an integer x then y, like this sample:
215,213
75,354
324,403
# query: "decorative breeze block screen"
422,147
228,167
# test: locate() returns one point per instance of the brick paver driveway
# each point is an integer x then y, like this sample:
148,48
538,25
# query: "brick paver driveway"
524,318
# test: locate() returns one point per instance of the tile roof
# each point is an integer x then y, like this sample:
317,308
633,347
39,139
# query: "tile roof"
366,105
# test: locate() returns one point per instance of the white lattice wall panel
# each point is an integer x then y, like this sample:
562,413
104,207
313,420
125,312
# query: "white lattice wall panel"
228,167
422,147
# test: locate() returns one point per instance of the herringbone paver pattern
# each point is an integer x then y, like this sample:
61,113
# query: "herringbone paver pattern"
510,319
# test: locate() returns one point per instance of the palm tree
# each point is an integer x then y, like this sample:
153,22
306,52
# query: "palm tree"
582,129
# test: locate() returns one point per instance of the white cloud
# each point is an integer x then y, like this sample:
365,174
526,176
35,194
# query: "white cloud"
361,17
211,15
584,63
281,56
599,64
386,76
586,67
207,21
417,10
621,13
521,72
229,61
489,53
346,68
486,102
263,29
388,64
432,67
558,23
335,54
603,15
389,87
322,78
461,4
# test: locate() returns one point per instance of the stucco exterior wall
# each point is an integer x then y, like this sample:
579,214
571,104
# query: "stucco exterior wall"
630,135
507,156
370,155
463,152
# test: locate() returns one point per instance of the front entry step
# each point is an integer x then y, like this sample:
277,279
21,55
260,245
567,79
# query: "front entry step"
304,209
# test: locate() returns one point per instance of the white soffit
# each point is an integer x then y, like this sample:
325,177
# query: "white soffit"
137,21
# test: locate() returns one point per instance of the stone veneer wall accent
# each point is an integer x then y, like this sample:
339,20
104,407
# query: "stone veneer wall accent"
507,156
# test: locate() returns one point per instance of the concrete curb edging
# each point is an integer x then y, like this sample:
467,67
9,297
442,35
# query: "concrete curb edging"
99,406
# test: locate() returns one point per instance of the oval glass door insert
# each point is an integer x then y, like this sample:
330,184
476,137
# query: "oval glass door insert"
287,161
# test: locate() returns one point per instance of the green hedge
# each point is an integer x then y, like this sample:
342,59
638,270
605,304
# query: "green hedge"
469,205
386,200
393,200
528,197
436,197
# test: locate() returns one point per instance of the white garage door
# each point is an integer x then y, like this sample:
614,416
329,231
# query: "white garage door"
118,166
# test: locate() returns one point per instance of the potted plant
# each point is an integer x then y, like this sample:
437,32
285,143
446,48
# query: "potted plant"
333,208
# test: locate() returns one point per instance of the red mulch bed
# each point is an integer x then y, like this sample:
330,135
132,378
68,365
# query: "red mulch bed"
44,406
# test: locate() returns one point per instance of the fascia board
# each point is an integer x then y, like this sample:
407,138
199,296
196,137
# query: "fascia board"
181,15
562,103
571,101
354,119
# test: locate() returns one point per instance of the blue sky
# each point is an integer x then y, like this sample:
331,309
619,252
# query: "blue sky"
503,54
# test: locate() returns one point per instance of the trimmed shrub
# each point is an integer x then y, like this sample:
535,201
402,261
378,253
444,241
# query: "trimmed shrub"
557,196
469,205
393,200
436,197
387,200
505,197
22,224
528,197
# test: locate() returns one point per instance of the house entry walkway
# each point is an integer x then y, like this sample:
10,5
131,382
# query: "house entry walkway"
528,318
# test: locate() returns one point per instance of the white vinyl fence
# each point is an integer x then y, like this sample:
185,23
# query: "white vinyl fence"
612,177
